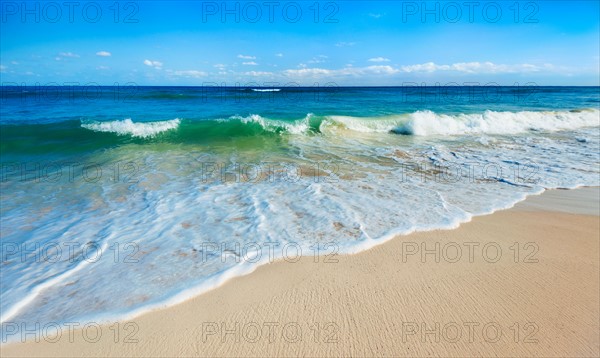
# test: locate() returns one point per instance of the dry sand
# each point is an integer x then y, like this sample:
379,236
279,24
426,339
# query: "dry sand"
538,297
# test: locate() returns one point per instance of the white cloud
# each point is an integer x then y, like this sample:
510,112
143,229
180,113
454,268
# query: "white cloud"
220,66
251,63
389,70
347,71
62,55
103,54
429,67
188,73
102,68
14,62
3,68
376,16
244,57
258,73
318,59
379,59
156,64
476,67
68,54
279,54
345,44
309,72
316,72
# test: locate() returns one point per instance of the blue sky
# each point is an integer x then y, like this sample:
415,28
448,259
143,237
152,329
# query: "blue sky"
263,42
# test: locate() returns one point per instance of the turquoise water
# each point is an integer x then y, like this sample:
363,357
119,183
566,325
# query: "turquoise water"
160,193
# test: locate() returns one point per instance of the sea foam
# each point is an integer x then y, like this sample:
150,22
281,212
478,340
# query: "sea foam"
274,125
425,123
135,129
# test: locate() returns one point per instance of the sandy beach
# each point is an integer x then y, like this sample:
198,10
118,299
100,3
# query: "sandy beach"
519,282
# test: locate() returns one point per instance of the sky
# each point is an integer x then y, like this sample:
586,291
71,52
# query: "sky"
349,43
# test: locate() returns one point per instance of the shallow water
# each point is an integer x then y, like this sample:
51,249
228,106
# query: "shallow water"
110,207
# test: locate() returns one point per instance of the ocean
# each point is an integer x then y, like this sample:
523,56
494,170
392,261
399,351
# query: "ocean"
121,199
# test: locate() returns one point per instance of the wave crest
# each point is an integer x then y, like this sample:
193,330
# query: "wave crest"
273,125
134,129
425,123
419,123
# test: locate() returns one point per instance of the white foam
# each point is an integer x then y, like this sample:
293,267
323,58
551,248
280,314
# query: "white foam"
135,129
363,124
37,289
272,125
425,123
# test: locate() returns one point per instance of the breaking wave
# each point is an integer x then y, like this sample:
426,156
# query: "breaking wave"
426,123
135,129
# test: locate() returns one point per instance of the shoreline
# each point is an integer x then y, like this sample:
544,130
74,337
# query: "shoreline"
248,268
226,309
